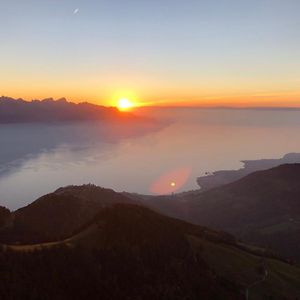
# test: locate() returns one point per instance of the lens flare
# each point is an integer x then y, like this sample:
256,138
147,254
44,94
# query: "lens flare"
171,181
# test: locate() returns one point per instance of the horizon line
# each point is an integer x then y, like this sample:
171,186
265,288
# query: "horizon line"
236,107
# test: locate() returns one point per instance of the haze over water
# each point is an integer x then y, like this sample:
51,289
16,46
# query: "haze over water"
37,159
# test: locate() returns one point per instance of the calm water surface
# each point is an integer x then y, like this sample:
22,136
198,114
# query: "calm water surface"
37,159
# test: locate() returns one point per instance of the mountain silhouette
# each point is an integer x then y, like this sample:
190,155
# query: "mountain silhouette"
127,251
57,215
50,110
262,208
218,178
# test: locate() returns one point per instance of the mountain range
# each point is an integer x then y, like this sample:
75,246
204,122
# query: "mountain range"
262,208
127,251
108,244
50,110
218,178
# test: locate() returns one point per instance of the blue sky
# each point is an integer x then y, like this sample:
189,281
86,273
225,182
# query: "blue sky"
172,51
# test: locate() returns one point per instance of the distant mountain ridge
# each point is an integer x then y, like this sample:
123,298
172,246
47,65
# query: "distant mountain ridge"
50,110
218,178
262,207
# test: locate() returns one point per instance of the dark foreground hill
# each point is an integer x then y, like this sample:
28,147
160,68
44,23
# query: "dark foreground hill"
56,215
263,208
130,252
4,216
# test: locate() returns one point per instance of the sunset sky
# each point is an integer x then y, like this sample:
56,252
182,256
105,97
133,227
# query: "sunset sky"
161,52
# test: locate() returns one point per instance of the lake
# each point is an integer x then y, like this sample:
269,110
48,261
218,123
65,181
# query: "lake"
159,158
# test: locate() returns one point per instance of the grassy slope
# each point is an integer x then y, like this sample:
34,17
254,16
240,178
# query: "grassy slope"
226,259
241,266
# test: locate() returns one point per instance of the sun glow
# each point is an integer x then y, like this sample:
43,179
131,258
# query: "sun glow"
124,104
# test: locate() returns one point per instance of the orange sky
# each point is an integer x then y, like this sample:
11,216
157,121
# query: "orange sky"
171,52
144,97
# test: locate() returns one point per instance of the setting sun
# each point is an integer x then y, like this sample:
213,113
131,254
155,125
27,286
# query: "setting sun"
124,104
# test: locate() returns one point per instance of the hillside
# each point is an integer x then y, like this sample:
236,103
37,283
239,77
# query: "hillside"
263,208
131,252
57,215
4,216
